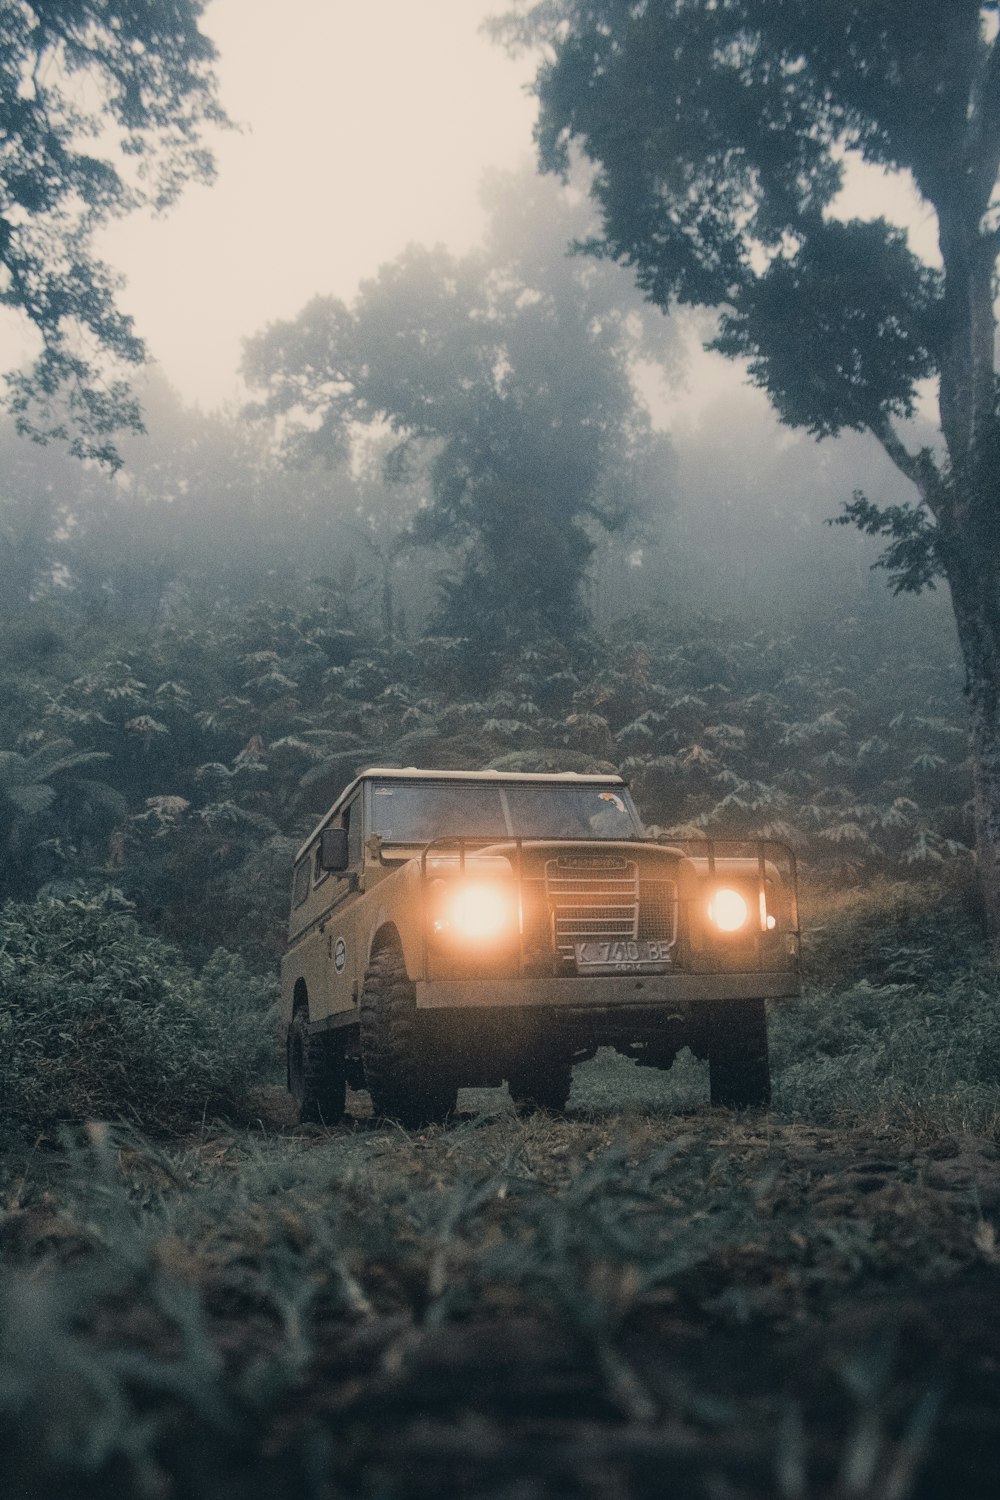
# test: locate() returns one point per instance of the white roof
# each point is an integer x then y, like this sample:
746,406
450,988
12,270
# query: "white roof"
410,773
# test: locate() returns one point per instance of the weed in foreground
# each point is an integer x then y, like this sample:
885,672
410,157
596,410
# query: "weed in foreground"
502,1303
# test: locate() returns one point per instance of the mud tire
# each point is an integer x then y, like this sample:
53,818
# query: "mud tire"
739,1069
543,1084
406,1080
317,1079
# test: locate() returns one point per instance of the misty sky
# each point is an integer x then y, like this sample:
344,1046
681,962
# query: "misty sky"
367,126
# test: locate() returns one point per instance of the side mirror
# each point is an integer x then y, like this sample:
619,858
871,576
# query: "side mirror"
333,850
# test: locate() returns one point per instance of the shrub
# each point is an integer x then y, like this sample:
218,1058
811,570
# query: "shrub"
890,931
896,1053
98,1020
244,1004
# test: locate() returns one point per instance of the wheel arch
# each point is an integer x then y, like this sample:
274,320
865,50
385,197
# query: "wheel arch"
300,996
386,935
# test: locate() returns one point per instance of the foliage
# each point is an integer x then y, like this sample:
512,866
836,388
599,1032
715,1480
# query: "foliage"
44,806
893,1052
223,740
139,79
719,134
899,1021
504,377
260,1308
922,931
99,1021
375,1313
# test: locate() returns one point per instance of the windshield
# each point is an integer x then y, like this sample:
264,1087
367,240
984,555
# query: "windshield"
415,813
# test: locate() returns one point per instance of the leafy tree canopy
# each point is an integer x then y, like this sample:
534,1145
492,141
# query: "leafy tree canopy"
719,130
507,374
102,108
719,134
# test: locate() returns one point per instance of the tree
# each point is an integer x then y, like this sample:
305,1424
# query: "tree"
44,808
719,130
102,105
39,493
505,378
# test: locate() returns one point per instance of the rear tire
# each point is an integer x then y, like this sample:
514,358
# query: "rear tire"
542,1084
406,1080
739,1070
316,1073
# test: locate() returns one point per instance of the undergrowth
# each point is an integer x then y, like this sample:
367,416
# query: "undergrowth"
99,1021
508,1304
900,1021
890,931
476,1309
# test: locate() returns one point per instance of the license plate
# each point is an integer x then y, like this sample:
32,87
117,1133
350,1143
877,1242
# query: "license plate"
622,956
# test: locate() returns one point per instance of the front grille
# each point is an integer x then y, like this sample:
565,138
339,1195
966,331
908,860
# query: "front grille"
580,906
657,911
536,920
592,902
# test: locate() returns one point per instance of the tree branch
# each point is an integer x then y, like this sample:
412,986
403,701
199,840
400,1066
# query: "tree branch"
983,138
919,468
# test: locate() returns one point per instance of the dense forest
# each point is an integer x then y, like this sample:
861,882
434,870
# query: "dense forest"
182,698
205,646
500,508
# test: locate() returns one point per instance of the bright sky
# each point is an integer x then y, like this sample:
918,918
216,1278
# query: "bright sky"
369,124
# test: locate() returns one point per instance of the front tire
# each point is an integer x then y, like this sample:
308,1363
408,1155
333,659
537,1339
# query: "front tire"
739,1069
317,1078
406,1080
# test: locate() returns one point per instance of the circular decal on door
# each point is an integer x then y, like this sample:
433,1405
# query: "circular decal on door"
340,956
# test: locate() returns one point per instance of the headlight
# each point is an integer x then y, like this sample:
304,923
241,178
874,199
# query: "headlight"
475,913
728,910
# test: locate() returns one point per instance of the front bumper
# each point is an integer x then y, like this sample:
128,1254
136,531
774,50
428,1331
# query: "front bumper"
604,992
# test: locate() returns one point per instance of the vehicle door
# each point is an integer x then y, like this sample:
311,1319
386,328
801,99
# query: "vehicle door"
342,916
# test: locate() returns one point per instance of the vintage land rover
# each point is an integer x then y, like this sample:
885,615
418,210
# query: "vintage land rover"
462,928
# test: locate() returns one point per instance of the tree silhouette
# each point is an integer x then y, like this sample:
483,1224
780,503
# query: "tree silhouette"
718,132
102,107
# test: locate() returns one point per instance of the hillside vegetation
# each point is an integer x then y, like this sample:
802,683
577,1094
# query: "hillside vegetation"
202,1299
182,763
452,531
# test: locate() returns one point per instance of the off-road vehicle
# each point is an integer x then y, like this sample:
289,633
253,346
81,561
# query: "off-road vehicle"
462,928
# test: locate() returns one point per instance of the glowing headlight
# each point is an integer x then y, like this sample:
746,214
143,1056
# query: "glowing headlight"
477,912
728,910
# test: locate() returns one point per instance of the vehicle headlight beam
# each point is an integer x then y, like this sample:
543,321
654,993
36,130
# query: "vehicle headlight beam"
476,912
728,910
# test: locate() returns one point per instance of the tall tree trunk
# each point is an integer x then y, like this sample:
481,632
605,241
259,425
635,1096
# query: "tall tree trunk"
388,597
966,496
975,590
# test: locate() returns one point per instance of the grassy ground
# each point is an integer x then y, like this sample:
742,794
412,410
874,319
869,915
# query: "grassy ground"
645,1300
645,1297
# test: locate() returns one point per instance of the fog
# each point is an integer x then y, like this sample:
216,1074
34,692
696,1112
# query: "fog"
359,132
340,1152
360,129
419,487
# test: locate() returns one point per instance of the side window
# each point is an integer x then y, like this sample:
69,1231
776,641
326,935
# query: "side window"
300,887
353,822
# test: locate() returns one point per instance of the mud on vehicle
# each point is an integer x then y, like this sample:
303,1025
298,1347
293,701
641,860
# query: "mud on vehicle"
461,929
